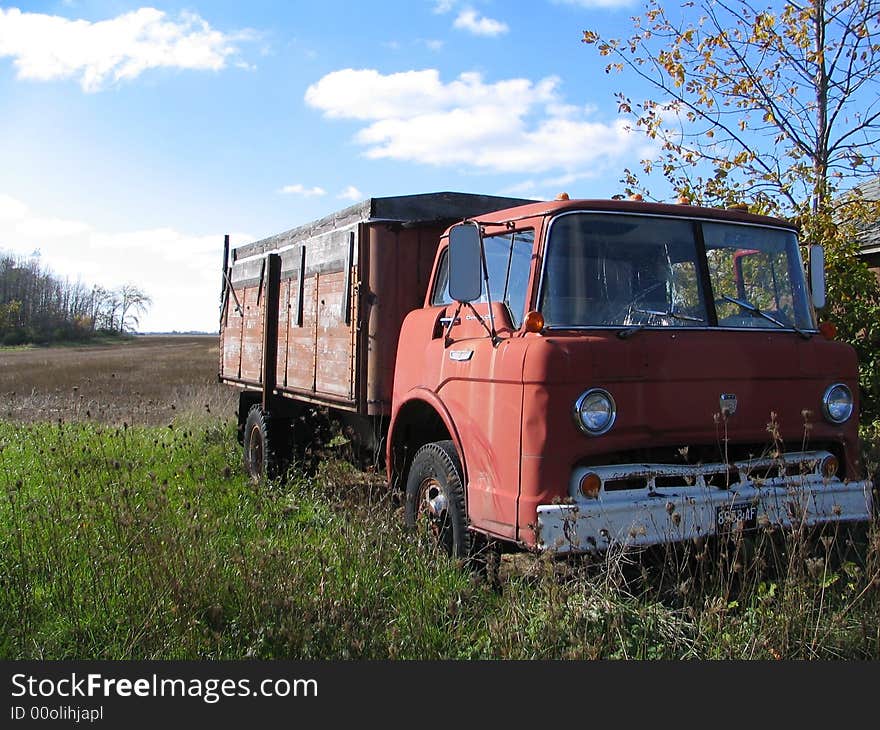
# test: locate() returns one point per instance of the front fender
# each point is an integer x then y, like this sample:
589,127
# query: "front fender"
424,398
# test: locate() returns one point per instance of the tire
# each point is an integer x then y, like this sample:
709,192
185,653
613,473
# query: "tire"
435,499
264,445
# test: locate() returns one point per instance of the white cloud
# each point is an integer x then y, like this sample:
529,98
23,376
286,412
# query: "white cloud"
525,188
433,44
443,6
299,189
479,25
12,209
50,47
180,271
513,125
366,94
351,193
51,227
549,188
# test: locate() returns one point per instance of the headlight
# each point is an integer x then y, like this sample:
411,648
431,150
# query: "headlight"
594,412
837,403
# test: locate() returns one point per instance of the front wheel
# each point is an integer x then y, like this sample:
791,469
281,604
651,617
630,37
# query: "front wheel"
435,499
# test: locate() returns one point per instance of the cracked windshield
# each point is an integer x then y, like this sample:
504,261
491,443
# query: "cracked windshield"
606,270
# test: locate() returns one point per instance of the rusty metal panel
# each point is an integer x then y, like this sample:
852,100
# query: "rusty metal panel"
401,260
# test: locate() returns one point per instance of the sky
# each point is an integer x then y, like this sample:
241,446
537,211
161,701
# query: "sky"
134,136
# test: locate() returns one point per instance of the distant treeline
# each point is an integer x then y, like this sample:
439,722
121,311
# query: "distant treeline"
39,307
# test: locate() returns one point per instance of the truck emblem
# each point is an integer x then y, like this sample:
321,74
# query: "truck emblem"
728,403
460,355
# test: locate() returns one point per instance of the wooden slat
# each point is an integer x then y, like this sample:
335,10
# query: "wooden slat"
301,342
334,372
231,341
252,339
283,332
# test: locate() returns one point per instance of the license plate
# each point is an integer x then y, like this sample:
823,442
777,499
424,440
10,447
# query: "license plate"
736,516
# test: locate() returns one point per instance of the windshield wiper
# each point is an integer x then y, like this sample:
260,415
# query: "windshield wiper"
630,331
756,312
674,315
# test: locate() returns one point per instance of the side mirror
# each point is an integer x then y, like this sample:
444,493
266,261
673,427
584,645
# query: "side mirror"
817,276
465,262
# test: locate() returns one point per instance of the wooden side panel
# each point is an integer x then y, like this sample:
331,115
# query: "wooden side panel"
231,336
252,340
347,361
283,332
334,372
301,340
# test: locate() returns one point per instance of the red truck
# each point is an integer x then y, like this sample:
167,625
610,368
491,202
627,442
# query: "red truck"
565,375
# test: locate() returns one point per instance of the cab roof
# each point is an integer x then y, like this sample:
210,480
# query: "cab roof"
555,207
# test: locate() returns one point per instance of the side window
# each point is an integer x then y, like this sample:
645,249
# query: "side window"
440,293
508,260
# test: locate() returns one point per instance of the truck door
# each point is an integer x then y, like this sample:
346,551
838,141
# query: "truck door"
481,380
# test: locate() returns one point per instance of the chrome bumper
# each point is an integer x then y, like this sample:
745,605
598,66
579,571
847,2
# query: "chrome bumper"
678,503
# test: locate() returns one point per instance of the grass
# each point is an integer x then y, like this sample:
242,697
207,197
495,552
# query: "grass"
147,542
150,542
132,532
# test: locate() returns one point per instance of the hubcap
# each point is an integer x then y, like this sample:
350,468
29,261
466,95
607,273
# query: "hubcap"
433,505
256,452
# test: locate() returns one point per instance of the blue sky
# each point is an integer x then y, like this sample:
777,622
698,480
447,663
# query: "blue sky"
134,135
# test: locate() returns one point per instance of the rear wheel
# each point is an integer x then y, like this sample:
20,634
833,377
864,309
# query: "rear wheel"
435,499
265,442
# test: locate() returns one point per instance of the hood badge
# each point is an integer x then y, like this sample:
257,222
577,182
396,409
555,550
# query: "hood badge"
727,401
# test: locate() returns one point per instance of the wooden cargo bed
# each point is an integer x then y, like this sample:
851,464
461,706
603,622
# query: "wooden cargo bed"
343,285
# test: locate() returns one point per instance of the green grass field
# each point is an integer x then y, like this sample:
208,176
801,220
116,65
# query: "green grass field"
144,539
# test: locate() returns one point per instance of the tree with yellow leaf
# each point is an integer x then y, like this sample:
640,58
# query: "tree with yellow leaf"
776,106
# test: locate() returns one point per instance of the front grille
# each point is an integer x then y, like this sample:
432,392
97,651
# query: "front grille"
697,455
616,485
657,477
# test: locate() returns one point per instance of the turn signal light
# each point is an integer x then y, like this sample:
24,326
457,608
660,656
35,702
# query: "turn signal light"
590,484
534,322
829,466
828,330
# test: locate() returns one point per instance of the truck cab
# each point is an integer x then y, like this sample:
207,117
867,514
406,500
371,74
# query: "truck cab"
591,373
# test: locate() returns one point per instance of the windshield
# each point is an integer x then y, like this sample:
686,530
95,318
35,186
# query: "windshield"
758,267
610,270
